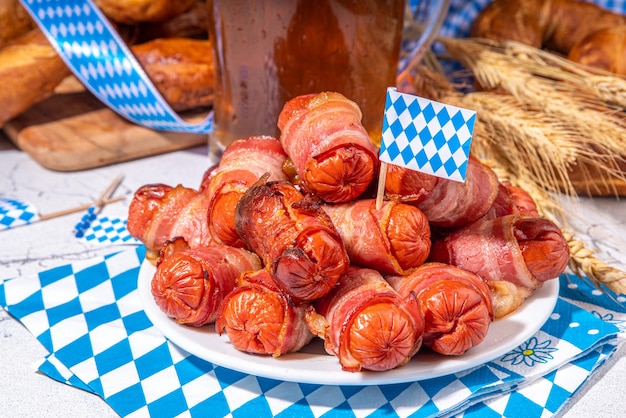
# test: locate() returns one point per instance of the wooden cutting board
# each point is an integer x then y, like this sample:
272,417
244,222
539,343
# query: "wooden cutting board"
73,131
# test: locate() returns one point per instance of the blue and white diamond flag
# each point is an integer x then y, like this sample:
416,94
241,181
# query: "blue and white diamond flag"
15,212
103,229
427,136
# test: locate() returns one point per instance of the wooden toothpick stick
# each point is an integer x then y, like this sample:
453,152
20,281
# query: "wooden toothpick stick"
382,178
108,192
103,200
79,208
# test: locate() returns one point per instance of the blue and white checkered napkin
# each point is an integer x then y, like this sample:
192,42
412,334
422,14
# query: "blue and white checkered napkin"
427,136
89,316
14,212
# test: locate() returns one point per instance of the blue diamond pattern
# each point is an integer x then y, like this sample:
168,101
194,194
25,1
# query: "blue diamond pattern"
14,212
425,129
407,154
443,117
139,372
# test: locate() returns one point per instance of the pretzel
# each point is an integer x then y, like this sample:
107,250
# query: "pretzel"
583,32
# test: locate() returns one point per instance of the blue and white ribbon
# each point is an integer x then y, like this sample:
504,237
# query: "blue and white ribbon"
102,61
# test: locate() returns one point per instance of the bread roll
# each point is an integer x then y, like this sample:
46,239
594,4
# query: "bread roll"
193,23
30,69
181,70
136,11
14,21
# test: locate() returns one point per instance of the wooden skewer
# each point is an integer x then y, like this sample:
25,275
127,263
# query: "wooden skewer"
75,209
382,178
102,201
107,193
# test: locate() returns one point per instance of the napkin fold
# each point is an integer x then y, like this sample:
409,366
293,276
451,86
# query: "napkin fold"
88,315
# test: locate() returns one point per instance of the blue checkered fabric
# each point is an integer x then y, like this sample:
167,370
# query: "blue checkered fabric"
426,136
14,212
462,13
91,47
89,316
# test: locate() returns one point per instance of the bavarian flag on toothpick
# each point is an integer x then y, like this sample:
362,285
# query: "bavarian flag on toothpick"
426,136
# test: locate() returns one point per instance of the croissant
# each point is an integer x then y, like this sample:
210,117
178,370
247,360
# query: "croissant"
558,25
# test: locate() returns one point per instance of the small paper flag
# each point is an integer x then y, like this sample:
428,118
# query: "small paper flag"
427,136
15,212
103,229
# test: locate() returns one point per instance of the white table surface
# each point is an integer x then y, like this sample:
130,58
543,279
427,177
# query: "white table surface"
29,249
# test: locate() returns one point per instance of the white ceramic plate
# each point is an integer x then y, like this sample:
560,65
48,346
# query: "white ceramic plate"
312,365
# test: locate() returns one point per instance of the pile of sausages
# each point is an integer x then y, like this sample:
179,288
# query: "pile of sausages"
282,242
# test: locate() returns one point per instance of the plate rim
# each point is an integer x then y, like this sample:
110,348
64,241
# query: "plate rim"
425,365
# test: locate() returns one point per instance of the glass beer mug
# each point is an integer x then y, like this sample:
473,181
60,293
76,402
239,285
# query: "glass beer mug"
267,52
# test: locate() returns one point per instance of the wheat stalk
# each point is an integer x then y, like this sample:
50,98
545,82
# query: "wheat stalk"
583,262
554,90
533,144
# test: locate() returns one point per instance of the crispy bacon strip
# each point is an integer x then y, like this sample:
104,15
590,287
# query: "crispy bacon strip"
456,304
446,203
190,283
241,165
159,212
367,324
510,200
294,237
517,249
392,240
329,147
260,318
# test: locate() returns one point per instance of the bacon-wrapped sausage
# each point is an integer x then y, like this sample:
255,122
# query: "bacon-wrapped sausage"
242,164
329,147
393,239
456,304
515,249
446,203
367,324
190,283
260,318
511,200
294,237
159,212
